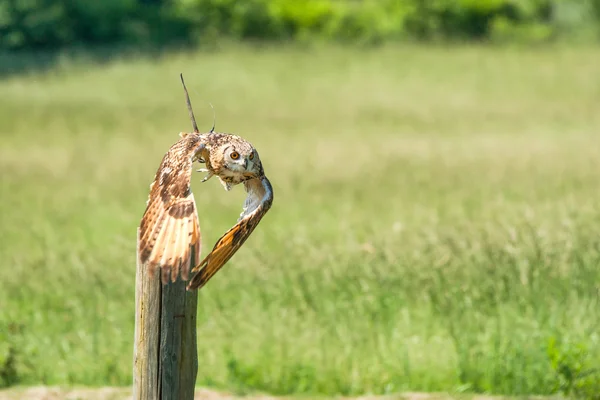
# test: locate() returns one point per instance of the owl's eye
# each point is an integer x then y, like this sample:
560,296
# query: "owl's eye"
251,156
234,155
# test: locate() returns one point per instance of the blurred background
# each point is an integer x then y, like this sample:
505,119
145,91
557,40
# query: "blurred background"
435,167
51,24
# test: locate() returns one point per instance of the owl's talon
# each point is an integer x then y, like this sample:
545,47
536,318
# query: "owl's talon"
208,176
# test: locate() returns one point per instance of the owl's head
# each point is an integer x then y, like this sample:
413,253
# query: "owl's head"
241,158
238,162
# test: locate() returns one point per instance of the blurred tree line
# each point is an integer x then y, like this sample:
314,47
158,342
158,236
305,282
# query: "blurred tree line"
48,24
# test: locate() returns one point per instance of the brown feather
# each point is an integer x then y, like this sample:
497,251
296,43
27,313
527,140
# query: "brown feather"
169,229
179,245
164,249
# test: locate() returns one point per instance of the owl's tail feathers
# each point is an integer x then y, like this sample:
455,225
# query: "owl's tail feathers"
169,235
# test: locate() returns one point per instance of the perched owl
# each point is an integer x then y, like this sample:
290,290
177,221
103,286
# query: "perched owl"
169,230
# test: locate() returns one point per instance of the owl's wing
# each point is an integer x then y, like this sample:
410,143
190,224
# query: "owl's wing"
169,229
258,202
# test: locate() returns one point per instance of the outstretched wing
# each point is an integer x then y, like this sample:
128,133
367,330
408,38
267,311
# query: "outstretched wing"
258,202
169,230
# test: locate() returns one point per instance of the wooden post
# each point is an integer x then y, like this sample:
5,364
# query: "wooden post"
165,360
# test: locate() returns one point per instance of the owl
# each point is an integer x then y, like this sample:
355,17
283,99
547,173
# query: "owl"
169,230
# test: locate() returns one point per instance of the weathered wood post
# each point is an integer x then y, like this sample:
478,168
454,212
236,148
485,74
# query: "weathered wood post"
165,360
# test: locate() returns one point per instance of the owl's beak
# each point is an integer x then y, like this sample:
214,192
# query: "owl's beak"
246,164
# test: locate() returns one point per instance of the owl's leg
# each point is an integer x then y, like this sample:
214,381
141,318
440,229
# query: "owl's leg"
226,185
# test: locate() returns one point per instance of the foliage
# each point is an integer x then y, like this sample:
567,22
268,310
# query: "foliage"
8,374
578,373
52,23
47,24
435,218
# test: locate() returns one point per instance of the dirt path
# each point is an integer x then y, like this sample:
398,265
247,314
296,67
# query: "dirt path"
109,393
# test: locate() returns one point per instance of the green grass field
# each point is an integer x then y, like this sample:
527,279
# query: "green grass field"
435,225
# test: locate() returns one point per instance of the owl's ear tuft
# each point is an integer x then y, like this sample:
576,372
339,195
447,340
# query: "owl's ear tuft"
212,130
189,106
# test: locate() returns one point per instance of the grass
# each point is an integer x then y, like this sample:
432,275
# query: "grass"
435,225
